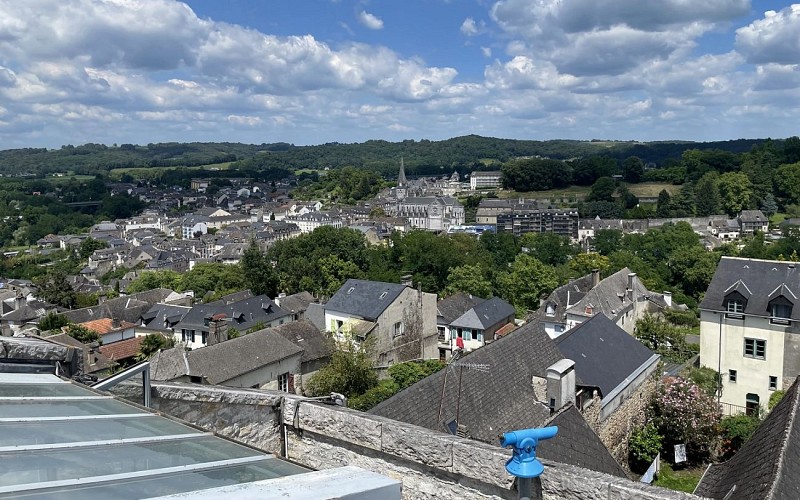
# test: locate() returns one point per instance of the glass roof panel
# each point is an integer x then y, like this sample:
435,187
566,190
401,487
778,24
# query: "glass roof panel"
42,390
54,465
173,483
66,431
65,408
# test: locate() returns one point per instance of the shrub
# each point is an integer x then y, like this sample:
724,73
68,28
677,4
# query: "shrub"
736,430
384,390
682,318
705,378
350,372
411,372
82,334
775,398
643,446
684,413
53,321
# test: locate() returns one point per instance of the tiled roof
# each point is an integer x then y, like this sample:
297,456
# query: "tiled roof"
455,305
123,349
768,465
106,325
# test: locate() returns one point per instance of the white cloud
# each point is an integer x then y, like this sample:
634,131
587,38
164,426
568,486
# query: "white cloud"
370,21
773,39
471,28
486,51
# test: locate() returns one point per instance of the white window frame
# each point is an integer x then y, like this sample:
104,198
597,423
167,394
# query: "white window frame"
399,328
283,382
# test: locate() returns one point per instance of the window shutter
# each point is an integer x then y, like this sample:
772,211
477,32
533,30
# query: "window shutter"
290,384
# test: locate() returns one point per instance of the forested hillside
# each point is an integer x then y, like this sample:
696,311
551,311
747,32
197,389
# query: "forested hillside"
421,157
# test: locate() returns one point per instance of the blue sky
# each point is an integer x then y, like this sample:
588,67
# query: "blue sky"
314,71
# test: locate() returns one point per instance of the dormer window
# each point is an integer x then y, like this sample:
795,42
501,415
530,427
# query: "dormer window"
589,310
735,306
550,310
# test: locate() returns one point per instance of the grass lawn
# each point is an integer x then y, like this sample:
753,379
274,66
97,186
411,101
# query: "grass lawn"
117,172
68,177
776,219
645,190
679,480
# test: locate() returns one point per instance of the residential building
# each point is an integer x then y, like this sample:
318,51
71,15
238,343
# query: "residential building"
400,319
748,329
485,180
259,360
193,226
621,297
725,229
196,326
295,304
477,326
563,222
490,208
587,228
431,213
309,221
448,310
553,311
751,221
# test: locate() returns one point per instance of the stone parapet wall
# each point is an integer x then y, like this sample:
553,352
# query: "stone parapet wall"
430,464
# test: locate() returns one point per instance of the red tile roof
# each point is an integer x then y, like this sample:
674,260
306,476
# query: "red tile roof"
123,349
106,325
505,330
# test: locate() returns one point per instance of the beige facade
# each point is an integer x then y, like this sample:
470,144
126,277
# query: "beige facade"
724,347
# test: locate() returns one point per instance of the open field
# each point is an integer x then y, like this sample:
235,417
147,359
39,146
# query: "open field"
643,190
69,177
145,172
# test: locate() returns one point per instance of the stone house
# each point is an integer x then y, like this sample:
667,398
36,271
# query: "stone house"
751,221
398,319
477,325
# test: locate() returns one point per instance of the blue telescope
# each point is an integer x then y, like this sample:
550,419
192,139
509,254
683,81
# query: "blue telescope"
523,463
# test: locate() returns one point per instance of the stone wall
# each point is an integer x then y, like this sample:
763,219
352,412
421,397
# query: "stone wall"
430,464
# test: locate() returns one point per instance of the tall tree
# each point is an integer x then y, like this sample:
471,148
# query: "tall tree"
55,289
259,276
632,169
469,279
602,190
664,204
735,191
525,282
707,195
550,248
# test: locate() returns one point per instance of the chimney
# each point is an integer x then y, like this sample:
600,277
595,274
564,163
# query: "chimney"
631,278
19,301
217,331
595,277
668,298
560,384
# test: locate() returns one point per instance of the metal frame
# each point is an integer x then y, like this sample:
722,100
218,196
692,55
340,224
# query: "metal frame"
105,442
142,367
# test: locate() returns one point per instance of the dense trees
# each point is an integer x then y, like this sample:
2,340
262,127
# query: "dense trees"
536,174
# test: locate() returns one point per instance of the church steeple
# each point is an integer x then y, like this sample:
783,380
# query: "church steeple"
401,179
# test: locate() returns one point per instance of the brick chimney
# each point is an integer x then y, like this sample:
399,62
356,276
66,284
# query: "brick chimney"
560,384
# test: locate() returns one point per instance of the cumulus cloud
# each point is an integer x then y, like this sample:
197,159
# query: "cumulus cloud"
773,39
370,21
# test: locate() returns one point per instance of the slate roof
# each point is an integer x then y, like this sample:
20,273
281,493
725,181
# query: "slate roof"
755,280
500,399
605,355
221,362
455,305
244,313
296,303
362,298
768,465
126,308
308,337
564,296
485,315
163,316
609,296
